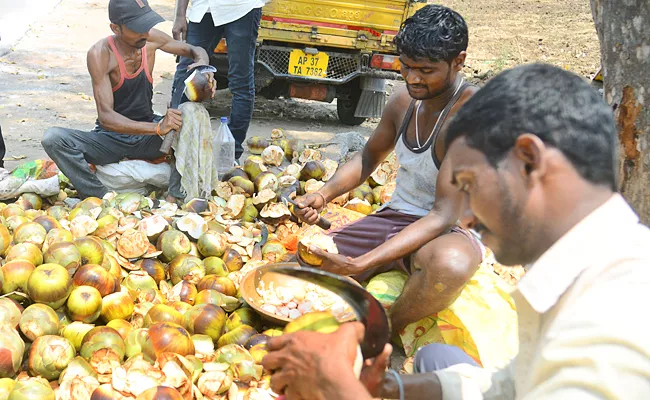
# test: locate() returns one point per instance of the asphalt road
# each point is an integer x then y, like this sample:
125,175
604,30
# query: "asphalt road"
44,80
16,16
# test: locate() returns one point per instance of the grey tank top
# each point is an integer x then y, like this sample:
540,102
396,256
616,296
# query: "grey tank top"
415,189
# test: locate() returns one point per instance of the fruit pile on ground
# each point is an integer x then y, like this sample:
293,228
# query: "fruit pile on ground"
128,297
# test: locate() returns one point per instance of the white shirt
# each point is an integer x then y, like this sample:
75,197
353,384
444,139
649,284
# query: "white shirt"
222,11
584,331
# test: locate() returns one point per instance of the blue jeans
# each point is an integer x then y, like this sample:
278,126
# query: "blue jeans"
434,357
241,37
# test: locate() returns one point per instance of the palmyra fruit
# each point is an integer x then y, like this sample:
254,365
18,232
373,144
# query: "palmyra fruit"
275,213
320,240
273,155
212,243
312,170
256,144
253,166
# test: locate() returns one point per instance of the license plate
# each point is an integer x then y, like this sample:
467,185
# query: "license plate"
311,65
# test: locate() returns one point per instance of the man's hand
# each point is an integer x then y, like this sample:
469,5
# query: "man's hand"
309,207
213,84
337,263
179,31
312,365
173,121
373,372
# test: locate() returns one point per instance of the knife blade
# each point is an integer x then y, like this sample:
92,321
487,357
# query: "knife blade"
367,309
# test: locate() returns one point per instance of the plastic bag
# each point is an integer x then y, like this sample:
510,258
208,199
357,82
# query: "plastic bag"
12,187
193,152
339,217
482,320
37,176
136,176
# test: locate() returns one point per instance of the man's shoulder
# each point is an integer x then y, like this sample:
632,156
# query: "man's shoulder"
399,101
101,44
622,255
632,242
100,48
470,90
99,54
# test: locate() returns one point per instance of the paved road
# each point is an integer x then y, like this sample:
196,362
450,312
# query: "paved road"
44,82
16,16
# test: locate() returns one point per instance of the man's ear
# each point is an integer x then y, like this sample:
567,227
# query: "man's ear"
529,150
115,28
459,62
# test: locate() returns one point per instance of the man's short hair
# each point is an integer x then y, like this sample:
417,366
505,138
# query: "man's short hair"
434,32
561,108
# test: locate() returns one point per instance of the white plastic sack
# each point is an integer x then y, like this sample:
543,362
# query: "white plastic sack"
134,176
12,187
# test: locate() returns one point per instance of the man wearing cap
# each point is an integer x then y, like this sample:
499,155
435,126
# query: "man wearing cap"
237,21
121,67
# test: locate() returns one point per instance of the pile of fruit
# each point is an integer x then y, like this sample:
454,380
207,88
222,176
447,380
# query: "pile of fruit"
128,297
308,171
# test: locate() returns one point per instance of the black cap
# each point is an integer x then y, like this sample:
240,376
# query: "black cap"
135,14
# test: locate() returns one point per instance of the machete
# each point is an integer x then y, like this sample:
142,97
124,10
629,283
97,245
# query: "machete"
366,308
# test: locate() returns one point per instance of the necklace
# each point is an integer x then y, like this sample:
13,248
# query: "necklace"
417,132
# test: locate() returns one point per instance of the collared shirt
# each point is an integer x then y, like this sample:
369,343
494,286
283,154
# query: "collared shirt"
584,331
222,11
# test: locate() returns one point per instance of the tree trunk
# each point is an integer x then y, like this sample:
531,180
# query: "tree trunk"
624,31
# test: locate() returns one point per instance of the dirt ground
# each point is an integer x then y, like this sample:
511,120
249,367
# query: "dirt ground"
45,82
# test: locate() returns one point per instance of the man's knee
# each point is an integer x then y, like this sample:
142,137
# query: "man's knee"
436,356
54,137
451,257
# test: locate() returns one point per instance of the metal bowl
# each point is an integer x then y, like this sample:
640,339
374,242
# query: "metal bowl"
251,281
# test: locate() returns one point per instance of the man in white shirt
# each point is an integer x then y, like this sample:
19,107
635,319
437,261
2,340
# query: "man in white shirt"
238,22
534,153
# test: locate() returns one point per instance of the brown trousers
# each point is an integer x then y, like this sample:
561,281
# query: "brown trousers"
369,232
372,231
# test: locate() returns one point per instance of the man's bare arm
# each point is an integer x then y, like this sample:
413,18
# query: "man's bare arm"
181,8
379,145
98,66
179,31
166,43
416,387
447,209
355,172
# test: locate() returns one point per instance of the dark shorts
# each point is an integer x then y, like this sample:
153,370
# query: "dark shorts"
366,234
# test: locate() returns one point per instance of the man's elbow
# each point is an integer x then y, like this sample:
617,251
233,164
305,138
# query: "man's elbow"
105,121
438,219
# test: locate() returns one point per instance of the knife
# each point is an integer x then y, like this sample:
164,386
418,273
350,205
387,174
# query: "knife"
367,309
322,222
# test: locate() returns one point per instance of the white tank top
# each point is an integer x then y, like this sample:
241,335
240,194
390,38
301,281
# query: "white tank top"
415,189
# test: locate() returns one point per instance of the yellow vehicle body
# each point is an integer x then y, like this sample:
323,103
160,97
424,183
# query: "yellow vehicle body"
367,25
329,49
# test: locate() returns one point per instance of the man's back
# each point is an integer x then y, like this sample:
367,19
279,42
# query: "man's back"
582,328
597,325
